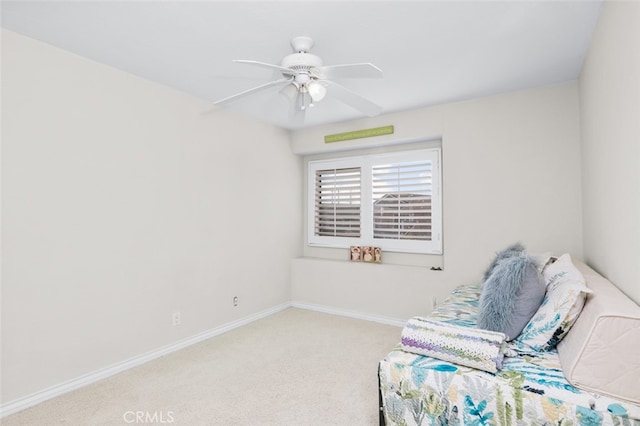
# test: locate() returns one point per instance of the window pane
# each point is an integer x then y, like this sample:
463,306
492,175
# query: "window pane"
402,201
337,202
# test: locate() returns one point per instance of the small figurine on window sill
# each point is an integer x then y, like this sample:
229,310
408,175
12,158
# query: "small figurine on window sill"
355,254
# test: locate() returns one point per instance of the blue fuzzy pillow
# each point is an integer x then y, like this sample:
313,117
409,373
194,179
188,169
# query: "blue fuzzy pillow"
512,250
511,295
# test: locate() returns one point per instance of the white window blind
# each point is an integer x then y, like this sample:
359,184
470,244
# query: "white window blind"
402,201
337,202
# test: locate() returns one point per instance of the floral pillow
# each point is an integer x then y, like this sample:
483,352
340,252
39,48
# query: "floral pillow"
562,304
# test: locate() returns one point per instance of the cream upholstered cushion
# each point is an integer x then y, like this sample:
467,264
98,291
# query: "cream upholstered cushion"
600,353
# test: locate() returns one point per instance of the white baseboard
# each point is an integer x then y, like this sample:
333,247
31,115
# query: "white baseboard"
348,313
60,389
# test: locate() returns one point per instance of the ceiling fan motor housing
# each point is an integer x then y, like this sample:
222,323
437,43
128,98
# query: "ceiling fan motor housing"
301,61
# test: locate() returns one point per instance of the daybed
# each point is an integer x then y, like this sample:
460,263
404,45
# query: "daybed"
592,376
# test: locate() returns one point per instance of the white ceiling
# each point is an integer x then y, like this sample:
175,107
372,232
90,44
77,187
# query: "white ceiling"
431,52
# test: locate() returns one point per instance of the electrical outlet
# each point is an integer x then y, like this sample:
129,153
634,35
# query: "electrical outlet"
235,300
175,318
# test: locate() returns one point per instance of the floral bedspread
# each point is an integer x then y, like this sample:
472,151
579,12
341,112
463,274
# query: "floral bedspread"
528,390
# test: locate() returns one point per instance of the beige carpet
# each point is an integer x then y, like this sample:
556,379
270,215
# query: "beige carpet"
296,367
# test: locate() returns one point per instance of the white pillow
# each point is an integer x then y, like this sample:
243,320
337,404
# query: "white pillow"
542,260
563,302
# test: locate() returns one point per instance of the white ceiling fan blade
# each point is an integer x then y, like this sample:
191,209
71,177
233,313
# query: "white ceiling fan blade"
251,91
363,70
265,65
352,99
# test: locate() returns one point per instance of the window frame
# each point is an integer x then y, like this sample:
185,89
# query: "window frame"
366,163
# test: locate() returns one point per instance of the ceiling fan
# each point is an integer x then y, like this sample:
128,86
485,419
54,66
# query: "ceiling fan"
305,81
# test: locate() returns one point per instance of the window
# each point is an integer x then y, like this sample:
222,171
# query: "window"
390,201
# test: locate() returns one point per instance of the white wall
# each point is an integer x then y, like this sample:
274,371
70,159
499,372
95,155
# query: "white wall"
511,172
117,211
610,131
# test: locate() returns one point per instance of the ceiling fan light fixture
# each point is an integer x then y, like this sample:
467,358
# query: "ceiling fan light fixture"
316,90
302,78
289,92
